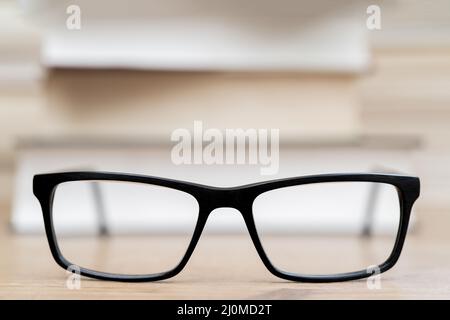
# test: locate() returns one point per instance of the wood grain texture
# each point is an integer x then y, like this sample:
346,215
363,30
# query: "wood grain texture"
226,267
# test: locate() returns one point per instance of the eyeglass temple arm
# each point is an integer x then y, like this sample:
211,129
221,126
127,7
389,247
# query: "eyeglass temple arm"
99,208
374,193
99,204
369,213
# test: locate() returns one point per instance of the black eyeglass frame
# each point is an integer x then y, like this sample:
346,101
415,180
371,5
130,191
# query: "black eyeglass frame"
240,198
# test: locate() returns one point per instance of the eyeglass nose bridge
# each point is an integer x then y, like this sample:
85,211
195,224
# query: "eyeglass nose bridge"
225,198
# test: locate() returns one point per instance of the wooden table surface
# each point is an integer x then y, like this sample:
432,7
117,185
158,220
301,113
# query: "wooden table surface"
223,267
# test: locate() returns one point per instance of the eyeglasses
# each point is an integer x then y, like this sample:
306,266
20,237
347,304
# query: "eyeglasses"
320,228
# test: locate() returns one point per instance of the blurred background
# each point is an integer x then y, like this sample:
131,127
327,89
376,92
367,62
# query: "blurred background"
108,95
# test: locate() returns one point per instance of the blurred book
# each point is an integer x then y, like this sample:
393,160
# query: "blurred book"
296,159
